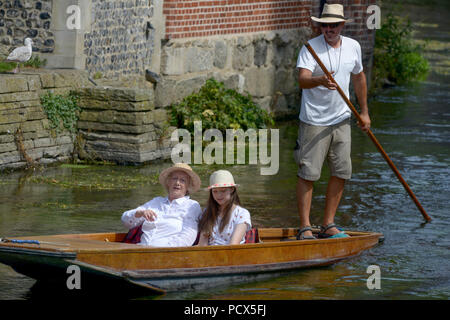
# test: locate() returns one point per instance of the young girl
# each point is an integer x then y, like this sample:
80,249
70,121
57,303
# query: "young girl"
224,221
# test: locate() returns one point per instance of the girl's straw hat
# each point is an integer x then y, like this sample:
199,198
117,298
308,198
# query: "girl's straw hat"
221,179
195,181
332,13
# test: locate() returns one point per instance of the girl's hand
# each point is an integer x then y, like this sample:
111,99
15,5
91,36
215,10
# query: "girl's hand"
204,240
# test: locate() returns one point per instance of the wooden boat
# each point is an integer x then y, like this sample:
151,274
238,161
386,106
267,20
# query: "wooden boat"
103,257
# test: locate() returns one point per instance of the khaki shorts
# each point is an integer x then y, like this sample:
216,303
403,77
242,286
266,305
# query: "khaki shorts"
315,143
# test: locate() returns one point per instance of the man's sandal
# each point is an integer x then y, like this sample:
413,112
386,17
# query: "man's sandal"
323,235
300,235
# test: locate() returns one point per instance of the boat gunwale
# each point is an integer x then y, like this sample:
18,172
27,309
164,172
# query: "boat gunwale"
119,247
238,247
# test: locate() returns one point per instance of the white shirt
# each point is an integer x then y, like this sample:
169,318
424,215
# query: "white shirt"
321,106
175,225
238,216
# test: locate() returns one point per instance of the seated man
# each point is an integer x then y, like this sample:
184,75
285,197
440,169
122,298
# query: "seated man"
169,221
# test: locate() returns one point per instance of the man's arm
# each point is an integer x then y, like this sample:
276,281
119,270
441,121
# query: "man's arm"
307,81
360,85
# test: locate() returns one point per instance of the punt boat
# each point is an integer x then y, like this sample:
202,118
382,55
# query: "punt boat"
104,258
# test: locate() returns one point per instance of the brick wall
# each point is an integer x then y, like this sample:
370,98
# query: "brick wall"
356,10
187,18
202,18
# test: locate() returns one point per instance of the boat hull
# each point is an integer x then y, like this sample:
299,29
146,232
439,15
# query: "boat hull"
104,257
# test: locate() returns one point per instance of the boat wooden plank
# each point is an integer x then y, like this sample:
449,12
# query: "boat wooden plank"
104,256
188,257
104,242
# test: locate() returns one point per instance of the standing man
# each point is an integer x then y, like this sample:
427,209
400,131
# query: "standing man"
324,130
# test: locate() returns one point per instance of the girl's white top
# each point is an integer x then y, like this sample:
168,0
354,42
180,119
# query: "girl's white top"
239,215
176,224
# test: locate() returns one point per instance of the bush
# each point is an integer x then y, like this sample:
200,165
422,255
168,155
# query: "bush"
62,111
396,57
219,108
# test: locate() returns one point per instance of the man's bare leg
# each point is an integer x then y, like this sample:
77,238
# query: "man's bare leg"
304,198
335,189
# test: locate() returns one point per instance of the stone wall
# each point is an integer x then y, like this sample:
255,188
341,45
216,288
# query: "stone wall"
121,39
25,135
26,18
114,38
261,64
250,45
123,125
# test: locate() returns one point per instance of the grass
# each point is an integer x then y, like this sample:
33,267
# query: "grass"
7,66
34,62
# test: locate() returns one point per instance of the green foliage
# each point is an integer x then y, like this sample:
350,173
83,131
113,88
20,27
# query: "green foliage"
98,75
396,57
62,111
6,66
34,62
219,108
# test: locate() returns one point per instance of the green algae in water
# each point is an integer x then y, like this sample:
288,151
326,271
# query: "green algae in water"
75,166
94,179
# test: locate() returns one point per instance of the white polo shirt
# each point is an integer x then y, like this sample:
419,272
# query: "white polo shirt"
321,106
175,225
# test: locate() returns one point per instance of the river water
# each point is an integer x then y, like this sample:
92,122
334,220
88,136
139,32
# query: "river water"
412,123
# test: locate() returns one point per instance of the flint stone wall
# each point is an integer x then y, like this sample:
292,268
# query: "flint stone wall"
26,18
120,42
23,118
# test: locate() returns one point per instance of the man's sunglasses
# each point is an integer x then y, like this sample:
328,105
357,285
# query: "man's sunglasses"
330,25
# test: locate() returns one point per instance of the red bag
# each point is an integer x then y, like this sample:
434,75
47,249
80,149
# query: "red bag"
251,236
134,235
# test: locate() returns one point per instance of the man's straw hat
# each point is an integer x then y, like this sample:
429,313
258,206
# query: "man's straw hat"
332,13
221,179
195,181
